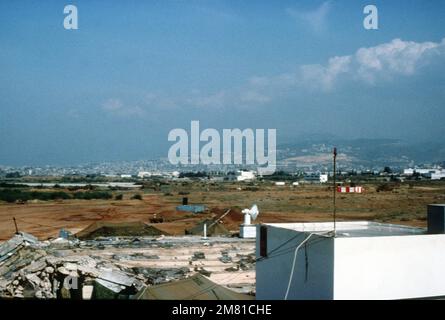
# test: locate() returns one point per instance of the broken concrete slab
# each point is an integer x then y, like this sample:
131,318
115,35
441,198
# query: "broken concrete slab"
8,248
88,271
70,266
116,277
36,266
63,271
29,238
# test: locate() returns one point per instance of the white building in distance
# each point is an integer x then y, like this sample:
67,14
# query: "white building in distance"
144,174
432,173
316,177
245,175
437,175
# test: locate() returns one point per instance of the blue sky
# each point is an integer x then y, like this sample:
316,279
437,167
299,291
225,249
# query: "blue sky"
134,70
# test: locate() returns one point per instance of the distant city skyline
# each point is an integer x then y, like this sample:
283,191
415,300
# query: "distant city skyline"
134,70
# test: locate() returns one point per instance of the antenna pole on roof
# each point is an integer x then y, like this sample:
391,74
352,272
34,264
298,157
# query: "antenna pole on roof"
335,188
16,228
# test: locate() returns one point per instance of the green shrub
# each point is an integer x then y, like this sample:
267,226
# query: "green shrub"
136,197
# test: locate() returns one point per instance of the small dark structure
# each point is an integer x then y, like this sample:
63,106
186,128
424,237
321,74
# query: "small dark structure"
436,218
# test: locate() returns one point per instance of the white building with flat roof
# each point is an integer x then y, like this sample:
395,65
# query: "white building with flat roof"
438,175
365,260
316,177
246,175
144,174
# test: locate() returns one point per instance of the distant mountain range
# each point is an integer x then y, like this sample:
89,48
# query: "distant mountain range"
369,153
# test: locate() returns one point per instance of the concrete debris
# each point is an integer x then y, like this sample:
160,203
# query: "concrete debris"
28,238
160,275
110,267
246,262
65,234
203,271
225,258
116,277
198,256
49,270
8,248
63,271
36,266
232,269
135,256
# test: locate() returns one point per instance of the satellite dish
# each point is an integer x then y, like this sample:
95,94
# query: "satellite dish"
253,212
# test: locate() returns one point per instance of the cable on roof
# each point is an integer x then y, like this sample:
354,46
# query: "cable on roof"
293,263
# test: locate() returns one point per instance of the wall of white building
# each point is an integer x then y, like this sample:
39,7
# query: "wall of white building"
394,267
312,282
365,267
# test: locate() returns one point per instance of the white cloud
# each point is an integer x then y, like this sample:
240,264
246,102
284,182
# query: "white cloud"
116,107
324,77
112,105
252,96
217,100
158,101
394,58
315,19
383,62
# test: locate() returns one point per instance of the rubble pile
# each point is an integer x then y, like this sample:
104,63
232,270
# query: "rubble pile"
115,267
225,258
155,276
51,269
246,262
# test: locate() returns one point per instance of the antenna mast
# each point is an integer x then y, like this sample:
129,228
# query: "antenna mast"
335,188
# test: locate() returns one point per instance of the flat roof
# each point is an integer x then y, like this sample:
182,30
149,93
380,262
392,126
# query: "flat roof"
352,228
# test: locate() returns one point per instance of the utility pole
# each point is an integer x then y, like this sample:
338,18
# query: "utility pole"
335,189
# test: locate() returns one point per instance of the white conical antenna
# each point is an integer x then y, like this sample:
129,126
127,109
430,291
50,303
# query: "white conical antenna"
254,212
250,213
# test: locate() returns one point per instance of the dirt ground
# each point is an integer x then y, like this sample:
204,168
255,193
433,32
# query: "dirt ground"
403,205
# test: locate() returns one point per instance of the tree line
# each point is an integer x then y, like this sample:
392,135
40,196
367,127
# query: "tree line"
13,195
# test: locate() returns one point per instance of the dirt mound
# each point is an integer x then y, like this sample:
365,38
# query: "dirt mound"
230,220
118,229
233,216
